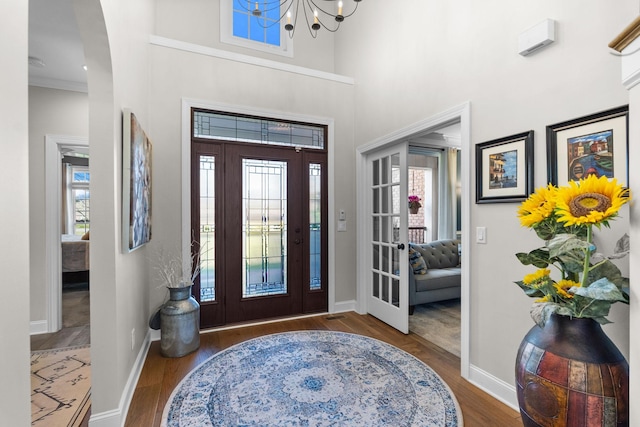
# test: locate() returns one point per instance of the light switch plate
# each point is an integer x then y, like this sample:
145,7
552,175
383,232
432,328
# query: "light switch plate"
481,235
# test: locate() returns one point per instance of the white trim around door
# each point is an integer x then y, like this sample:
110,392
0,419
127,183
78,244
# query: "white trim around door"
53,197
188,104
461,113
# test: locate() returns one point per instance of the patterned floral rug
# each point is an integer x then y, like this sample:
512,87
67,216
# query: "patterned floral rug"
60,386
312,378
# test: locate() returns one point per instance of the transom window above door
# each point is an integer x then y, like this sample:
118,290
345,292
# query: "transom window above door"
241,27
230,127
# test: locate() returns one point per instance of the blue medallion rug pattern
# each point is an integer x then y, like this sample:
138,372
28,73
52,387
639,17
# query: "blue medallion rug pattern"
312,378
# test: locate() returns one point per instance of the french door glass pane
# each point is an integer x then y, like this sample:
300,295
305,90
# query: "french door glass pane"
315,226
386,204
395,292
264,228
207,229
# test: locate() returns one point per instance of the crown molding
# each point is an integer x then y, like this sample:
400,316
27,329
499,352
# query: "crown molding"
58,84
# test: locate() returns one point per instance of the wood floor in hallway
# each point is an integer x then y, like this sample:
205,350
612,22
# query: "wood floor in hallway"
161,375
76,328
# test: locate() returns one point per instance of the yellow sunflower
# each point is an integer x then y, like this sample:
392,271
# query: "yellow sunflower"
591,200
563,286
536,277
538,206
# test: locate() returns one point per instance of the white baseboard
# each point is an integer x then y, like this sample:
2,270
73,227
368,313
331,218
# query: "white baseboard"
111,418
38,327
501,390
342,306
117,417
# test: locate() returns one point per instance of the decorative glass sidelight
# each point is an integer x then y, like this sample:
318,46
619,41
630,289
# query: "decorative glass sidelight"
315,226
207,229
264,228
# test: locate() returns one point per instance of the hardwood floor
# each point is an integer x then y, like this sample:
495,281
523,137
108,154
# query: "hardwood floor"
75,324
161,375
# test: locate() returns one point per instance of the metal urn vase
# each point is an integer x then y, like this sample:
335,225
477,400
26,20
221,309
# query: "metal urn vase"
179,323
569,373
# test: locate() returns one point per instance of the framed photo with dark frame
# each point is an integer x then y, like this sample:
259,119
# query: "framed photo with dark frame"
504,169
597,144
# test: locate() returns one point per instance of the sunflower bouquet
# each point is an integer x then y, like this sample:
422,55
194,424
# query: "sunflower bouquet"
584,283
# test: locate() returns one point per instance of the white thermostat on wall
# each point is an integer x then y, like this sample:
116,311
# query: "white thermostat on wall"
537,37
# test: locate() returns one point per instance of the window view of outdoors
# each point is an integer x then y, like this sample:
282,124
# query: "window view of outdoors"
263,28
80,200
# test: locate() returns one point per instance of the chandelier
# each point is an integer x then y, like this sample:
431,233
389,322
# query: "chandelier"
327,14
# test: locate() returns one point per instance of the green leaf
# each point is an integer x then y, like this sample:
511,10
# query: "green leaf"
600,290
531,292
546,229
608,270
593,308
602,320
622,246
578,230
573,266
563,310
541,311
565,244
537,257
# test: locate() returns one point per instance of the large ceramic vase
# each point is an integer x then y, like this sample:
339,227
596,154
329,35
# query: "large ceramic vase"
179,323
569,373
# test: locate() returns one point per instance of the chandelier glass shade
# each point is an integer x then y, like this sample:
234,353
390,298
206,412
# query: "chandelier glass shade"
317,14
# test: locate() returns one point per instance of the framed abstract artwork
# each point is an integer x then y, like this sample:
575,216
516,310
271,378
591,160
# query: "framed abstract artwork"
504,169
136,183
592,145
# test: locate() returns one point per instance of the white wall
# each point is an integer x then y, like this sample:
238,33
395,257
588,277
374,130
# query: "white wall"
53,112
14,217
177,74
457,51
198,21
117,78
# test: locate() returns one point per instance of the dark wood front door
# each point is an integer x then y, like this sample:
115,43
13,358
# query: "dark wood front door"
263,255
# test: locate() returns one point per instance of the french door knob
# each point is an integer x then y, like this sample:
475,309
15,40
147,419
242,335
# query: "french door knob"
401,246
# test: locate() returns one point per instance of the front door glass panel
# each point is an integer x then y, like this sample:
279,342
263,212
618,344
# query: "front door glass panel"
264,228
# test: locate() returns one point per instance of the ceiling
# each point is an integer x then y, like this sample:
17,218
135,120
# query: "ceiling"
54,39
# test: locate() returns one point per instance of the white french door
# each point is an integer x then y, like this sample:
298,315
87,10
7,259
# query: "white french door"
387,251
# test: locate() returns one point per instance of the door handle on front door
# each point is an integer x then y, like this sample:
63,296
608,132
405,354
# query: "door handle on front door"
401,246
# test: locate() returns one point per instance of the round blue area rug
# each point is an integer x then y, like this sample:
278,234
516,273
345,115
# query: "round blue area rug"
312,378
